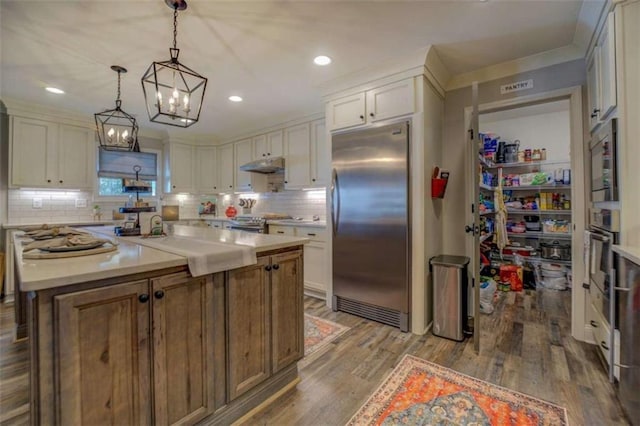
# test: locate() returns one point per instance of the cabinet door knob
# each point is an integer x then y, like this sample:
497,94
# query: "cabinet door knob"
313,180
267,268
362,117
371,114
48,180
159,294
230,186
286,181
264,155
174,187
60,181
143,298
276,267
215,187
268,154
249,184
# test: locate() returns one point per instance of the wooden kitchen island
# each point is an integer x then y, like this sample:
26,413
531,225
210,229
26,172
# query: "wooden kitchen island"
131,337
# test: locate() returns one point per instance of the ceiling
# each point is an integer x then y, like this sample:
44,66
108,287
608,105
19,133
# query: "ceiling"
260,50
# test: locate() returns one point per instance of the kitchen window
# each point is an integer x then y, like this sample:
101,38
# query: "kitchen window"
113,166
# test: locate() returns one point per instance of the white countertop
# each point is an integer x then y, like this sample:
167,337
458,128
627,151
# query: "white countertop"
631,253
130,258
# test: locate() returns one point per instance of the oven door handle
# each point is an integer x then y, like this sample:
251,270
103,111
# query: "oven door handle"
599,238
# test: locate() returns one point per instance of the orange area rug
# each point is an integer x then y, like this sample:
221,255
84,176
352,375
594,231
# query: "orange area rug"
319,332
419,392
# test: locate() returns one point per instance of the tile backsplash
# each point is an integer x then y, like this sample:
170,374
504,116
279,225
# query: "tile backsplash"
33,207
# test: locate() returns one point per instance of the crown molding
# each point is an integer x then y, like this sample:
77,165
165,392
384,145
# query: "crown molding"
274,128
424,61
509,68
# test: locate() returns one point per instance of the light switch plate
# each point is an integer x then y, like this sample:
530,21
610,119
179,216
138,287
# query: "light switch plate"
37,203
81,203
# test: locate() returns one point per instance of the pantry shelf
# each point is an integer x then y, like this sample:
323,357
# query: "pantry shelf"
540,235
487,212
533,259
492,165
539,212
534,187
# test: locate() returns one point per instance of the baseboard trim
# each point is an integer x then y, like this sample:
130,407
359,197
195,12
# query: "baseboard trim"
267,402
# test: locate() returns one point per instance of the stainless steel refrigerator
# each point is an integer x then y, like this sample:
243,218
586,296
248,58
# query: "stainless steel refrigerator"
370,206
629,324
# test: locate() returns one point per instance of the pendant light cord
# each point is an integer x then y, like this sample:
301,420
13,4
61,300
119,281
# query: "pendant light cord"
175,25
118,98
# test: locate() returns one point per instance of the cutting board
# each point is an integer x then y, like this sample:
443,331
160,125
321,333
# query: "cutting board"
37,254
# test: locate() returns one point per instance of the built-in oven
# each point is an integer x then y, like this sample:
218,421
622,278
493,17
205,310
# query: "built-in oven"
604,181
604,226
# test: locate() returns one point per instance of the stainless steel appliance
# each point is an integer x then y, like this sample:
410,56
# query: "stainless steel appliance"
371,228
255,223
604,226
629,324
604,182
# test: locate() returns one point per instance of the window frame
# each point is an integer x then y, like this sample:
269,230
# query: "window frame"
119,198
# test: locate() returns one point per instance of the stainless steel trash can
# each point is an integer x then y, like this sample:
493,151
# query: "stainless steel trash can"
450,289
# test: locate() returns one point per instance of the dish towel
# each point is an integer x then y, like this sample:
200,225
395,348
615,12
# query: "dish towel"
204,257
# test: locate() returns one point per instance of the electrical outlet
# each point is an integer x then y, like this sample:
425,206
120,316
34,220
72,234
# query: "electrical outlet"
81,203
37,203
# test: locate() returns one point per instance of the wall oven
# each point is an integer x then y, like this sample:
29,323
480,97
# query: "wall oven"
604,182
604,226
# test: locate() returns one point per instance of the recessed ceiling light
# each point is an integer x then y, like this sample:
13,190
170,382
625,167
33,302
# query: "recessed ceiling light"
54,90
235,98
322,60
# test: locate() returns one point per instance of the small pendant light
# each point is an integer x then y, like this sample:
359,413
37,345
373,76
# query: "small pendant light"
173,92
117,130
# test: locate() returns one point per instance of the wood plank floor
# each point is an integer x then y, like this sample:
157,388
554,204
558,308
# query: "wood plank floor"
527,347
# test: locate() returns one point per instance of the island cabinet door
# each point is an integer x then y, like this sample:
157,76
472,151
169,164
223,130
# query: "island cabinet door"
102,355
182,330
248,325
287,309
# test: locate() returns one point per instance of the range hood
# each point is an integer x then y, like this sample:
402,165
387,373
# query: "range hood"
265,165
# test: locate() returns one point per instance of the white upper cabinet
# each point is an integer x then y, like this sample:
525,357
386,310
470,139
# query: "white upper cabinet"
319,155
179,167
607,43
297,140
268,145
601,75
51,155
225,168
392,100
247,181
206,169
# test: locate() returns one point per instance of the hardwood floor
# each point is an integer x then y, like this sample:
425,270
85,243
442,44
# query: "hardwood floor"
526,347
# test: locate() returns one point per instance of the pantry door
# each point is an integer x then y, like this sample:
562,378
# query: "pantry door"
473,229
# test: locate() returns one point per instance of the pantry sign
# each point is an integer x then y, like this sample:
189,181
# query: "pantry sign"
516,87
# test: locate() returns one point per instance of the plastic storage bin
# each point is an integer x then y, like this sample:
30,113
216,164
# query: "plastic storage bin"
450,300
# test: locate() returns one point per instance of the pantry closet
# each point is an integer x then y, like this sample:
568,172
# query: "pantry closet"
544,198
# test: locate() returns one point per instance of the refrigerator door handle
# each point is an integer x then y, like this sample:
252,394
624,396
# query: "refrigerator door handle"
335,201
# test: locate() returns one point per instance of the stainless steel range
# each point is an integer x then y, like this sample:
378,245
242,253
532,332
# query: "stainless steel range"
255,223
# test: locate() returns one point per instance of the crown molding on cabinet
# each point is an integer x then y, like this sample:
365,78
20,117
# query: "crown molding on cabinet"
505,69
424,61
275,127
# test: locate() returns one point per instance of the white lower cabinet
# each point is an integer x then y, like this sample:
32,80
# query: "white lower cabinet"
315,256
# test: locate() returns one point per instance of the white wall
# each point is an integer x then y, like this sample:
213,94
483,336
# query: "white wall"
535,126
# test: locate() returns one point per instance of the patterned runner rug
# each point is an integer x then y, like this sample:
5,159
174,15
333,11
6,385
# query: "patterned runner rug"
319,332
419,392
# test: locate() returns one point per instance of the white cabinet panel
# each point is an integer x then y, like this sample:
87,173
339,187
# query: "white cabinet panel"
51,155
380,103
179,175
608,99
390,101
225,168
593,88
275,144
76,157
346,112
206,169
320,158
297,149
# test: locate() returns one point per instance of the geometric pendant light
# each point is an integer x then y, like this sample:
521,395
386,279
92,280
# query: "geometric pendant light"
117,130
173,92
